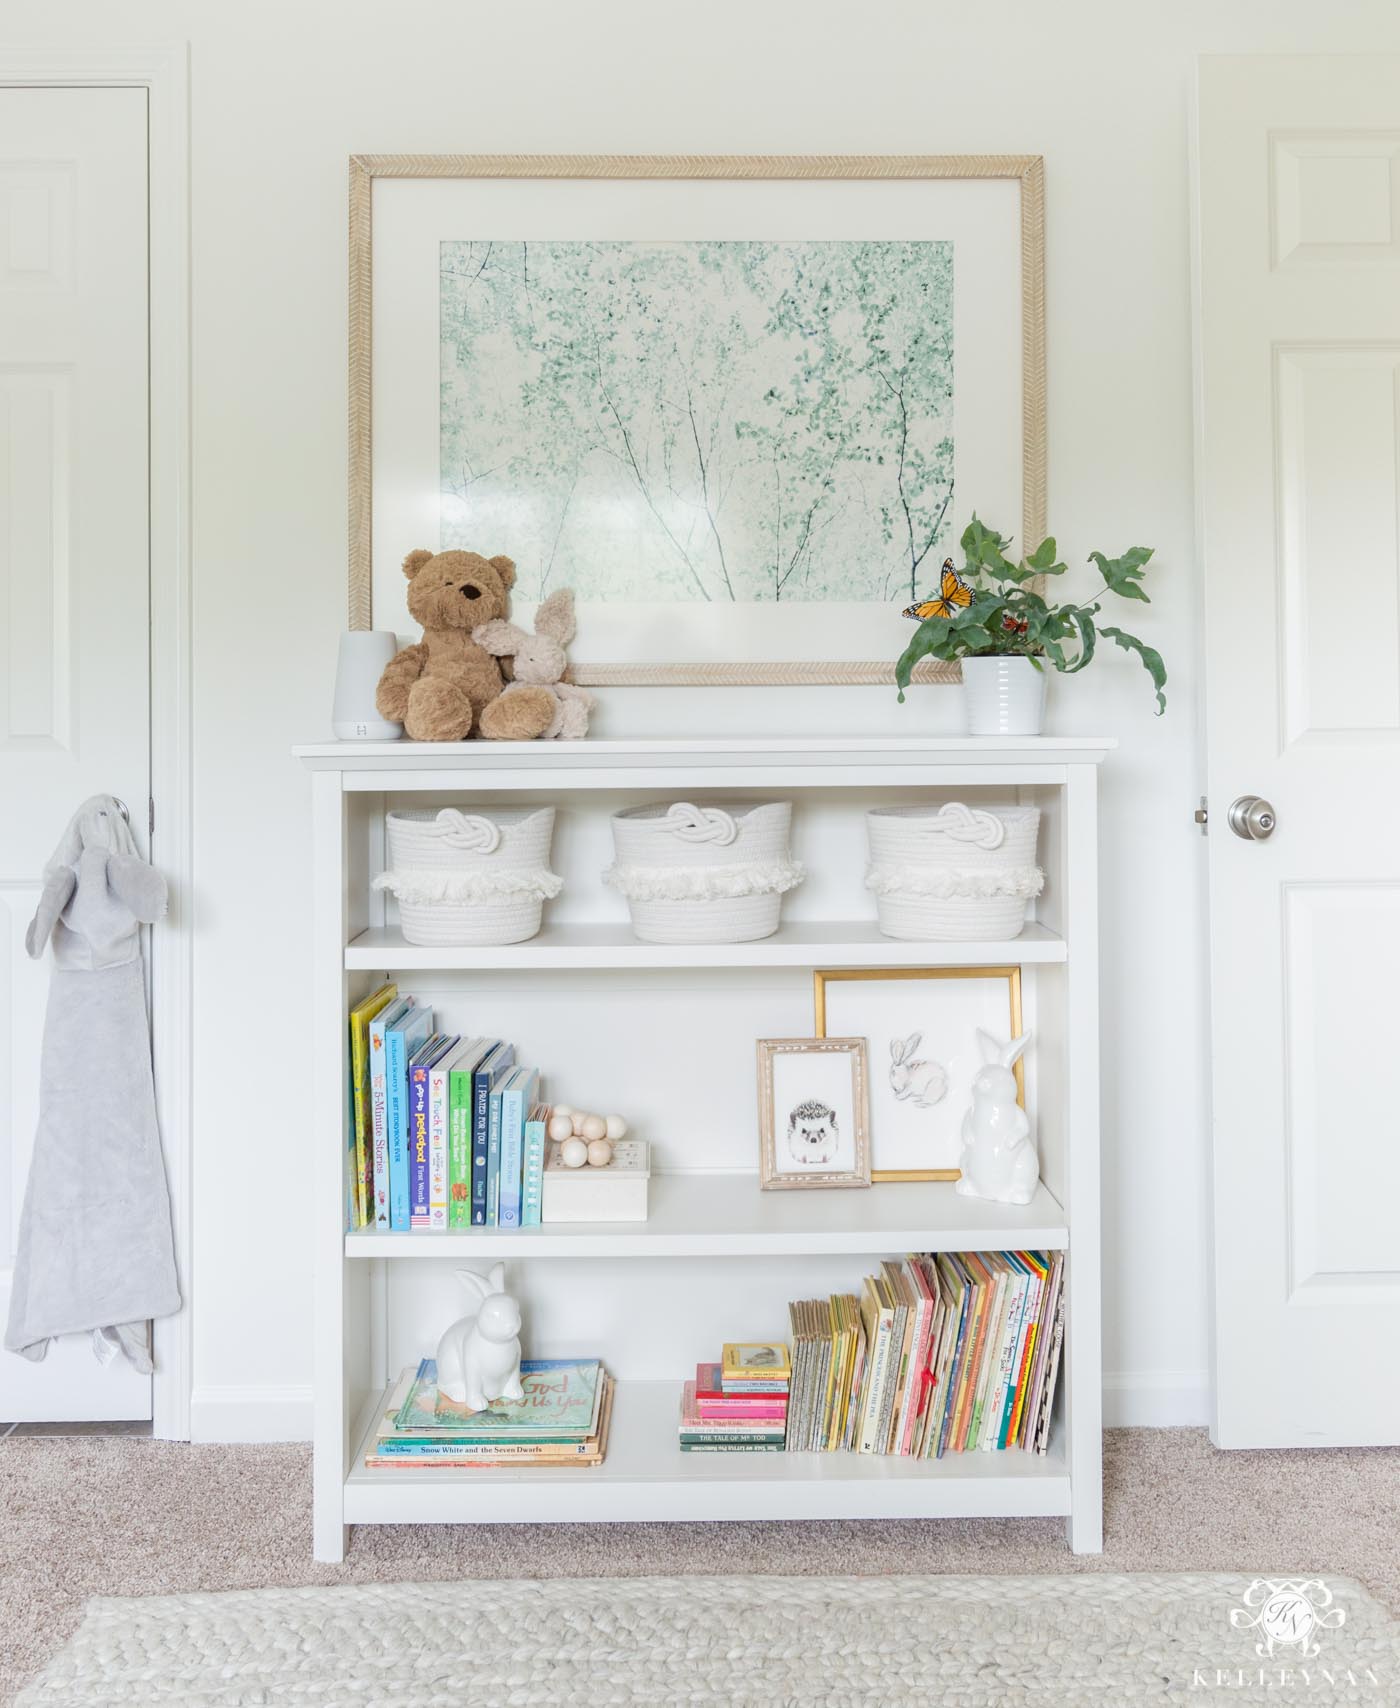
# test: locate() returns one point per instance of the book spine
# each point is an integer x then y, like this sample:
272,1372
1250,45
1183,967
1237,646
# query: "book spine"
396,1103
532,1175
379,1127
493,1158
512,1147
418,1188
481,1117
735,1447
438,1085
459,1150
359,1107
960,1350
875,1385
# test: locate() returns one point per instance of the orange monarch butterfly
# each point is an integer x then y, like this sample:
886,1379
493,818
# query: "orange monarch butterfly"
952,595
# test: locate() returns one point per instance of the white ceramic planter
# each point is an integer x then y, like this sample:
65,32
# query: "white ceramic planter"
1004,696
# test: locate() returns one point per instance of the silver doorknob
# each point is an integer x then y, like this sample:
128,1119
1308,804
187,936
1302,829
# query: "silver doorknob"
1252,817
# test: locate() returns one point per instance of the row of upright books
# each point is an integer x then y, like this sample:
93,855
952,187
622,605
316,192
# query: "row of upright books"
445,1131
562,1419
954,1353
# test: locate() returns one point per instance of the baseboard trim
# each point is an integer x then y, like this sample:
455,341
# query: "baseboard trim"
251,1413
1156,1399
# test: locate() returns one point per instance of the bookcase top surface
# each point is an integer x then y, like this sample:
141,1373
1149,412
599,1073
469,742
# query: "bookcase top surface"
682,751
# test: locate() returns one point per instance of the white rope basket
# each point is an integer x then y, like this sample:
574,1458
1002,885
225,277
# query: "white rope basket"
470,878
696,874
953,873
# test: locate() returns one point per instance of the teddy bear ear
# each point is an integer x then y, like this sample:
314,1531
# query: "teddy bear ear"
415,561
505,568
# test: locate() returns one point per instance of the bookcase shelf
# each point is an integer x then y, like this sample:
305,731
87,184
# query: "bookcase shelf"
715,1249
645,1475
837,943
725,1215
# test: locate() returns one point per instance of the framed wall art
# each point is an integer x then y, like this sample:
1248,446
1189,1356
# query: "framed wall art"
744,406
921,1028
813,1113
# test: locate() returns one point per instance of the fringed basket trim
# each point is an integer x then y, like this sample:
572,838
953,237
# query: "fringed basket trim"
704,883
944,882
426,884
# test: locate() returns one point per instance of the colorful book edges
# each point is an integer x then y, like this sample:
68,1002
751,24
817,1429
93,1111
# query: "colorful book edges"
459,1131
532,1167
361,1127
712,1401
379,1105
956,1353
563,1420
493,1065
518,1095
697,1433
420,1068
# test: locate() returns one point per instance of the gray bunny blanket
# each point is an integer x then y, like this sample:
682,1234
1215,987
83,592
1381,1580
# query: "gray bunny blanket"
95,1247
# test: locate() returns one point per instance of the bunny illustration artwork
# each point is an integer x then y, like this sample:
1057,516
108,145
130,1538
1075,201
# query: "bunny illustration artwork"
913,1081
478,1358
998,1159
813,1137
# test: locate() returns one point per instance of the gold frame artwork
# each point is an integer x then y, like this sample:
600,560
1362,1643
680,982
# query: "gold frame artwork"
845,975
769,1178
1027,169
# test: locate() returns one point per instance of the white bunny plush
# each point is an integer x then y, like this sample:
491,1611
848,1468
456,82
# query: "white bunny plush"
998,1159
921,1083
478,1358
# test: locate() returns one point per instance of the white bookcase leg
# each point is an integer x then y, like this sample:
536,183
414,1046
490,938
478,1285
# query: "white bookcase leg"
331,1445
1083,1415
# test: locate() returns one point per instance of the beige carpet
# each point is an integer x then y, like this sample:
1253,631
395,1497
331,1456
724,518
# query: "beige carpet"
88,1516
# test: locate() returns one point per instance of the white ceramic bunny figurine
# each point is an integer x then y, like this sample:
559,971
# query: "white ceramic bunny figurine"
998,1159
478,1358
921,1083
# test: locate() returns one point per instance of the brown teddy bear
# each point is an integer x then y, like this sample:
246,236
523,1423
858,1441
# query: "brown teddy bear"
447,687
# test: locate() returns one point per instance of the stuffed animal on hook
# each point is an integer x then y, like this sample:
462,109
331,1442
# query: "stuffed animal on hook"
478,1358
998,1158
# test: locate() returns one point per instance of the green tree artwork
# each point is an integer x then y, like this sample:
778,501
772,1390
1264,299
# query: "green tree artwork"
700,421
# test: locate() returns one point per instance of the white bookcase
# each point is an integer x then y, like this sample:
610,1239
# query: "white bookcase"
666,1036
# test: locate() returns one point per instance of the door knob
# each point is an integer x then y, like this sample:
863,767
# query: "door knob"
1252,817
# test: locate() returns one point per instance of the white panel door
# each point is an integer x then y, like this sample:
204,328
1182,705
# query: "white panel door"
74,587
1299,458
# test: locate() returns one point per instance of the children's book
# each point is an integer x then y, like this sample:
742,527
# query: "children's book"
493,1064
401,1041
532,1168
379,1104
562,1397
493,1151
419,1122
694,1427
362,1171
755,1361
439,1113
518,1094
400,1452
459,1131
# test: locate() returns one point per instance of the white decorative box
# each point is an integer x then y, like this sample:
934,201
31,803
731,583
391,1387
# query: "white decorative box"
617,1193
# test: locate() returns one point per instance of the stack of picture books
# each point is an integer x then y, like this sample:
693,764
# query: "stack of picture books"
740,1404
562,1420
955,1353
445,1131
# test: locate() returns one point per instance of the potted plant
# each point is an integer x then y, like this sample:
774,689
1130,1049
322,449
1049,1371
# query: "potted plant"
990,618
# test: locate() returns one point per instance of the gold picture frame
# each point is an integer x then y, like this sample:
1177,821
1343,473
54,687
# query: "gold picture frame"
822,979
787,1172
1026,170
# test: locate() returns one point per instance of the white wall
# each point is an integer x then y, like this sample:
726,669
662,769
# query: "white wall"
282,93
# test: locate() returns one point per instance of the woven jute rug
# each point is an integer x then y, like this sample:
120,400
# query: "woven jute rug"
939,1642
